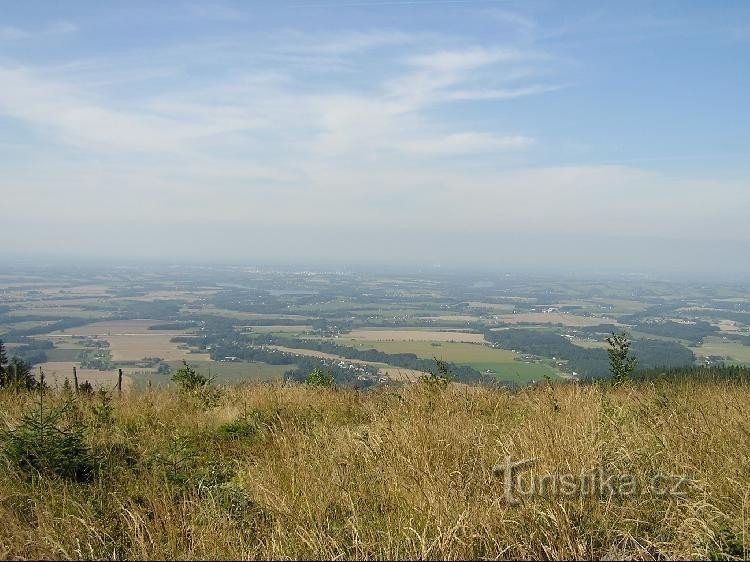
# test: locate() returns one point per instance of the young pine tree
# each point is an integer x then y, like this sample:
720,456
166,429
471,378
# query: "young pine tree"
3,365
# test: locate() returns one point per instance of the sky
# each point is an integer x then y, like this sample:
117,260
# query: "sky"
493,134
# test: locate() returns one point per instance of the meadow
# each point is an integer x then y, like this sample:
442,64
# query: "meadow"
410,472
481,357
734,352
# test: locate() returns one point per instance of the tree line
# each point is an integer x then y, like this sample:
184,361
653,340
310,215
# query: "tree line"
15,372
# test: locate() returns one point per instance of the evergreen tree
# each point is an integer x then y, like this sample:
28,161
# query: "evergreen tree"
3,359
17,374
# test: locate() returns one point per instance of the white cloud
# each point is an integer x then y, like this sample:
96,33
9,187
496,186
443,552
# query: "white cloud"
468,59
280,145
513,18
10,33
500,93
467,143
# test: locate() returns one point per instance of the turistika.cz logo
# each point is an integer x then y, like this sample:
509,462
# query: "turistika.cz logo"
518,484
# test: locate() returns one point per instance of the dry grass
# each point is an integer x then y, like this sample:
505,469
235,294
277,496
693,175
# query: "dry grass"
400,472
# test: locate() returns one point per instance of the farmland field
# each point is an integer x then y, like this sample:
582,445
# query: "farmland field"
131,340
240,312
232,372
554,318
481,357
391,372
415,335
56,372
734,351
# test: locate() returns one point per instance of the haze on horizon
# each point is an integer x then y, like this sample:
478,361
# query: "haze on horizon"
481,133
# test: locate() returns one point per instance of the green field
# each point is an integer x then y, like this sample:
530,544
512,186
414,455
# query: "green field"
733,351
479,357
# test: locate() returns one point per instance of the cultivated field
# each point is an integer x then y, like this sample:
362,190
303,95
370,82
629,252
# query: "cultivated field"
481,357
734,351
414,336
234,372
55,373
393,373
589,344
131,340
555,318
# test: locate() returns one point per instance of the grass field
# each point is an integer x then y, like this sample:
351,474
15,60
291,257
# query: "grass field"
415,335
571,320
480,357
57,311
590,344
732,350
239,315
287,472
239,371
279,329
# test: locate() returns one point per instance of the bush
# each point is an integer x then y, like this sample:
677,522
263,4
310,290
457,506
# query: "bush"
188,379
241,429
319,378
197,385
439,377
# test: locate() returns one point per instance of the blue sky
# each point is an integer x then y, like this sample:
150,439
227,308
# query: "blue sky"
489,133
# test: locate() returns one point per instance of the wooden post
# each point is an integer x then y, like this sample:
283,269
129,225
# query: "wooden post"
119,382
75,379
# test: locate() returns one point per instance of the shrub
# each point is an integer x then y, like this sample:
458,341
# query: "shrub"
188,379
239,429
197,385
439,377
621,363
318,378
86,388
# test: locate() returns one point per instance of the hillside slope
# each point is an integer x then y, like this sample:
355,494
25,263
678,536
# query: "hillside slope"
294,472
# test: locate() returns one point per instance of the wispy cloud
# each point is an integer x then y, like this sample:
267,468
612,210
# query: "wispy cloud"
467,143
12,33
9,33
459,61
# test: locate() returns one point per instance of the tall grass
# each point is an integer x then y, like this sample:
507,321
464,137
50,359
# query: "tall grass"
296,472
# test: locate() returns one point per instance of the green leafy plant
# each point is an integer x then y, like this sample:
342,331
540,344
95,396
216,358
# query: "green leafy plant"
85,388
188,379
621,363
320,379
439,377
197,385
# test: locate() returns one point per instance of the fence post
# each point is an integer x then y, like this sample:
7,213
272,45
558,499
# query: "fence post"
75,379
119,382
